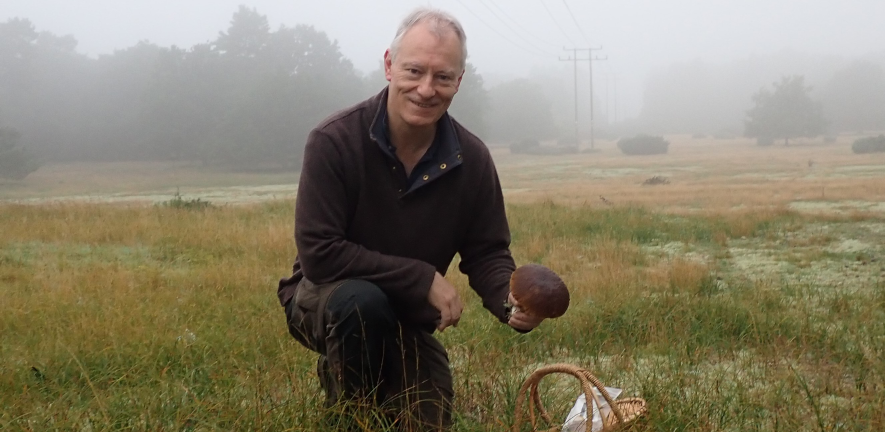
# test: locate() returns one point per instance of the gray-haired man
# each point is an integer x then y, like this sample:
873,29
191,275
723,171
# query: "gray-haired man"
391,189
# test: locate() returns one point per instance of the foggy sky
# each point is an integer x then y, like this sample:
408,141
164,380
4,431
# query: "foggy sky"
638,36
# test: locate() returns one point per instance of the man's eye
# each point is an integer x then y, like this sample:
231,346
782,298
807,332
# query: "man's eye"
413,71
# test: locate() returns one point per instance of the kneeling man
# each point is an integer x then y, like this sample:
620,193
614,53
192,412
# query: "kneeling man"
391,189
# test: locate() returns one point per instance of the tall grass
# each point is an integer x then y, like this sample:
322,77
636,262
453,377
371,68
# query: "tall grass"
164,318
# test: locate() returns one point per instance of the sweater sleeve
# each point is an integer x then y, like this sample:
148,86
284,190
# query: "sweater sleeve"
325,254
485,254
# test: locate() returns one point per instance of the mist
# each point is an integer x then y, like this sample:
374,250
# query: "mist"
243,82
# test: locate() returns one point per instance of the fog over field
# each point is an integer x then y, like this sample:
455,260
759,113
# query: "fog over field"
116,78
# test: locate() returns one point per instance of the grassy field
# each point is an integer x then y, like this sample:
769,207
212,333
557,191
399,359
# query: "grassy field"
746,294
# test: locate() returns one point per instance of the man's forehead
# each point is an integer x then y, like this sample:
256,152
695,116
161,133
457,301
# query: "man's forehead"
422,39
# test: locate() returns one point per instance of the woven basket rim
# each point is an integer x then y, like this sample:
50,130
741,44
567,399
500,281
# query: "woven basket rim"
623,412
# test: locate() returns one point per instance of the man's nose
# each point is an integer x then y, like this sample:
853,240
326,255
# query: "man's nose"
425,87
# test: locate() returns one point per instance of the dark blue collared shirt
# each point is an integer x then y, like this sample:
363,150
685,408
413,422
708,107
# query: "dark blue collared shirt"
443,155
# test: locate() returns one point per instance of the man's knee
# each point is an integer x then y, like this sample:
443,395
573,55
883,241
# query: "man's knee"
357,302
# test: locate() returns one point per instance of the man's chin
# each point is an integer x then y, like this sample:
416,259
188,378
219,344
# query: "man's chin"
421,120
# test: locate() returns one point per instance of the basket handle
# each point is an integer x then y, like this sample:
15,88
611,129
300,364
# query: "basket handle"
584,376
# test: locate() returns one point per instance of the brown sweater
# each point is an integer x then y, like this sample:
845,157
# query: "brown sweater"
356,219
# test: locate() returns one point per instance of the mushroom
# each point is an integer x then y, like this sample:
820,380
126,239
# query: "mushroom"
538,291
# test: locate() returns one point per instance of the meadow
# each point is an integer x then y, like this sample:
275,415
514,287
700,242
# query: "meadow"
748,293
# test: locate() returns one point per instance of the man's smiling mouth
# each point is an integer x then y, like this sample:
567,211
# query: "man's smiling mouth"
421,105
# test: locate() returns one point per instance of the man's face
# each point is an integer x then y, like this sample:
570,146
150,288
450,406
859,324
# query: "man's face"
425,75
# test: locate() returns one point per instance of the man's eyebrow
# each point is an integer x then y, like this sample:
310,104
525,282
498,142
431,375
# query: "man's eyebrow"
416,65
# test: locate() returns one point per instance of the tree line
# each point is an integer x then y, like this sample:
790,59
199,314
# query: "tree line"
700,97
249,98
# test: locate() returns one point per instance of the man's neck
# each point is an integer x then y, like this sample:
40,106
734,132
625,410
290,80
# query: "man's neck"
409,139
410,142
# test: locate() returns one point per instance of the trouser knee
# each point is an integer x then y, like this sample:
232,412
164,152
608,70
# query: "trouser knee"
361,334
360,308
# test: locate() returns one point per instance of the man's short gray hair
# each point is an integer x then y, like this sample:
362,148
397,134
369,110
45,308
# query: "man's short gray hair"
438,21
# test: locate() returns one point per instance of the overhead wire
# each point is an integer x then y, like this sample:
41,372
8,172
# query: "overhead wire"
586,39
503,12
537,53
518,33
556,22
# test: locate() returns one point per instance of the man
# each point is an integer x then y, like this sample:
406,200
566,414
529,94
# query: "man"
391,189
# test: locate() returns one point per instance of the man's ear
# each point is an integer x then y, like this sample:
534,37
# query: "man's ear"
388,64
458,86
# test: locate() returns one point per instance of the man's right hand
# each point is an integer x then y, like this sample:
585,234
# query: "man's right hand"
444,297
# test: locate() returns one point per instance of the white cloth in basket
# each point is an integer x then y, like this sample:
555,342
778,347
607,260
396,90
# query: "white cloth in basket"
576,420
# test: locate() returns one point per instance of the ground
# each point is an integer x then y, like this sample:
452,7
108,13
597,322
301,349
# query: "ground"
746,294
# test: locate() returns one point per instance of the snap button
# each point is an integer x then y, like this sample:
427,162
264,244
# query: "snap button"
459,157
426,177
443,166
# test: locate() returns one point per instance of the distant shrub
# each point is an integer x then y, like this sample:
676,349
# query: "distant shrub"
764,141
178,202
643,145
524,146
869,145
656,180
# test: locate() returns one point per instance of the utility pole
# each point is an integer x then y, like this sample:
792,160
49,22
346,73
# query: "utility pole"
590,60
574,59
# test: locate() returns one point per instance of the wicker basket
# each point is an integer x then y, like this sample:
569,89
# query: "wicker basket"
623,412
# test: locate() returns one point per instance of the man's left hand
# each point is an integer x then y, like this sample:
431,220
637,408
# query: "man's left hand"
519,319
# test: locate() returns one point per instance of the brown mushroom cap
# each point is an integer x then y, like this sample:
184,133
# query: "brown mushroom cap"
539,291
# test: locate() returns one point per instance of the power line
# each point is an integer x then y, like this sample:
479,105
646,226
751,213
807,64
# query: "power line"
555,22
500,34
503,12
511,28
586,39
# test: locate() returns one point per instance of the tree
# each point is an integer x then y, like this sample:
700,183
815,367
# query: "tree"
787,112
15,162
519,111
247,36
470,104
17,40
248,98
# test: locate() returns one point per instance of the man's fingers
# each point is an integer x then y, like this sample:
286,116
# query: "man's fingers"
457,308
445,319
451,313
520,324
523,321
444,297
